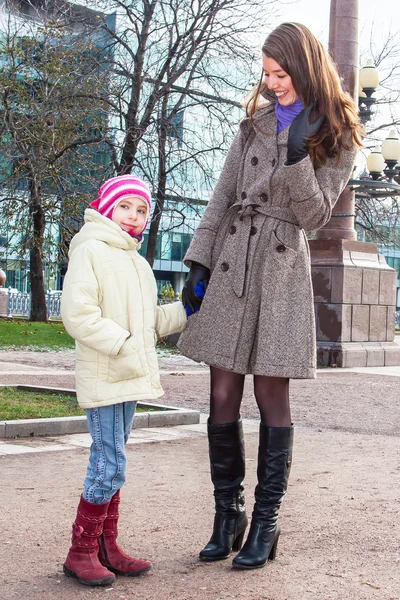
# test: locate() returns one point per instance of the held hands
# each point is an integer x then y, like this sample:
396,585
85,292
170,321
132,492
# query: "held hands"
190,299
300,131
199,292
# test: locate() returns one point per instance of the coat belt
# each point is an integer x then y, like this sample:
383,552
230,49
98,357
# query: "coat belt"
245,212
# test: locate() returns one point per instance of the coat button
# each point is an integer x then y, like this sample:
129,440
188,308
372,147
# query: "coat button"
232,229
243,195
264,197
224,266
281,248
273,162
253,230
254,161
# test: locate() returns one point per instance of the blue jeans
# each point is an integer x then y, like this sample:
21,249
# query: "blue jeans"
109,427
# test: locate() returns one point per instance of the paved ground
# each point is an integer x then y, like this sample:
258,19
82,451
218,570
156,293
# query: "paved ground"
340,519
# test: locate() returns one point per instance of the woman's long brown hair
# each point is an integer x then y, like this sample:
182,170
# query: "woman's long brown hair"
316,81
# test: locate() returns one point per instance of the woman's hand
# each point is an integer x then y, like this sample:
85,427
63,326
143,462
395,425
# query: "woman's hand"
196,274
300,131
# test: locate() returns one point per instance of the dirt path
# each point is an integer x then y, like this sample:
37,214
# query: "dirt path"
340,523
340,519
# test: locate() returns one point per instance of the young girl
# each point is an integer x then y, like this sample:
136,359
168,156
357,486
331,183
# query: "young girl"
285,170
109,306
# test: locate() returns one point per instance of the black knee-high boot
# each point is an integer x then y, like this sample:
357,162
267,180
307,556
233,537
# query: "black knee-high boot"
227,461
274,461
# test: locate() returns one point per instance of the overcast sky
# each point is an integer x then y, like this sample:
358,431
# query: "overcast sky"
382,15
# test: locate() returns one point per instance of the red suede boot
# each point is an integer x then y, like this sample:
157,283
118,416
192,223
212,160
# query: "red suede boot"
110,554
82,561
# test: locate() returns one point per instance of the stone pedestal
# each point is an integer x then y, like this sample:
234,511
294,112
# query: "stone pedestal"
3,302
355,303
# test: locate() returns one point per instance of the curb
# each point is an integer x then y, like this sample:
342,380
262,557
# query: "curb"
166,416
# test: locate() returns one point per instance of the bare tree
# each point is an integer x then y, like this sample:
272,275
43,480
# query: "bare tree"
50,128
173,60
379,218
385,54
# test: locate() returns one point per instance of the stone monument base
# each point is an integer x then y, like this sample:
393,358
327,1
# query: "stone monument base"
355,303
358,354
3,302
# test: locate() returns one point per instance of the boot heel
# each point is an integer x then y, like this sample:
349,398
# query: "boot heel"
272,554
238,543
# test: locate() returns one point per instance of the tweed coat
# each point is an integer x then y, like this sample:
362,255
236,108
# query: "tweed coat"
257,315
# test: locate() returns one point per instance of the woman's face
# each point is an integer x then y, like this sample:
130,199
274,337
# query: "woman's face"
279,82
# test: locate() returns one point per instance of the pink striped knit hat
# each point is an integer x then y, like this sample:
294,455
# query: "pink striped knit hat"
115,189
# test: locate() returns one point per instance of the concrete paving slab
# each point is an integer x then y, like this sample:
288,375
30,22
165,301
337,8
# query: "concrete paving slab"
393,371
82,440
386,371
138,436
8,449
163,434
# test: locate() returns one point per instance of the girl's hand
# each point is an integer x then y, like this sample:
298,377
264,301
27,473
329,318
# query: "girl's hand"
300,131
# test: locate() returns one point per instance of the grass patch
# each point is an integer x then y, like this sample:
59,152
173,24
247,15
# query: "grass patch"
23,404
22,335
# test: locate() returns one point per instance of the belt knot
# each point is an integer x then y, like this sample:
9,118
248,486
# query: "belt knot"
247,211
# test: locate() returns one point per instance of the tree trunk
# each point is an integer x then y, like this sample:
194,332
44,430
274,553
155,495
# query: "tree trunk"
161,188
38,296
155,222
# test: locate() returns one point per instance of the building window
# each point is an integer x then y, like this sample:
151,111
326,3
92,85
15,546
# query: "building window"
186,239
176,246
175,127
179,244
158,249
143,247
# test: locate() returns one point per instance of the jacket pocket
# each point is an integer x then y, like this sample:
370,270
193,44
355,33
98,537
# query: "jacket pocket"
283,253
126,365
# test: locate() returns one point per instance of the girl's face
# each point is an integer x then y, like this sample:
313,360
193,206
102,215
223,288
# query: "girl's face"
279,82
131,214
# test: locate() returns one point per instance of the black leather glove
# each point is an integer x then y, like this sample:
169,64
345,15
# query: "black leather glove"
196,274
300,131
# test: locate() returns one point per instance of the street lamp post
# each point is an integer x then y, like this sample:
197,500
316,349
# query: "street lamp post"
369,81
354,288
382,181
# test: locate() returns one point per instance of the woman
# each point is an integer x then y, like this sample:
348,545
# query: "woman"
284,172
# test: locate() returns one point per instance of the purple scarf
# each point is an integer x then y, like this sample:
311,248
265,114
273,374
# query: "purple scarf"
286,114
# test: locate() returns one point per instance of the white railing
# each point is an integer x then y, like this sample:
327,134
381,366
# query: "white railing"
19,304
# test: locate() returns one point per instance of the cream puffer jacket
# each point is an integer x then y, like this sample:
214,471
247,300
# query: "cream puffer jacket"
109,306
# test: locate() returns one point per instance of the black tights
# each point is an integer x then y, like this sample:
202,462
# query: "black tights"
272,396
